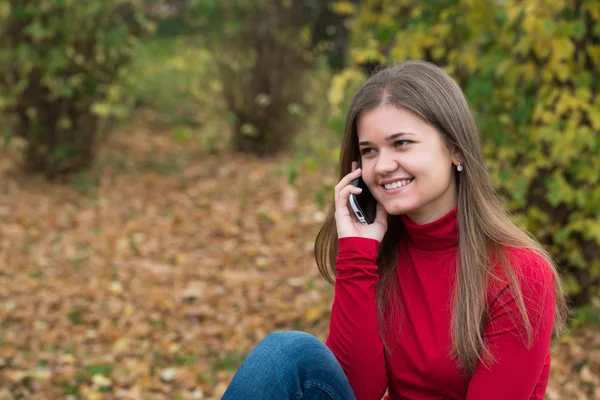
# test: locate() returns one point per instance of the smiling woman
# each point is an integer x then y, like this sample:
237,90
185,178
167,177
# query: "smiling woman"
408,172
442,296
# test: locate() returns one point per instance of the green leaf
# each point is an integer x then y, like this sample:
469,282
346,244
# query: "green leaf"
100,369
520,191
578,29
292,173
181,133
35,30
386,33
75,316
549,27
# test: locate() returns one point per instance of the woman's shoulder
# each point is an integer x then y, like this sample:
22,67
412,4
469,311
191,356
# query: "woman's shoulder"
531,291
531,268
529,263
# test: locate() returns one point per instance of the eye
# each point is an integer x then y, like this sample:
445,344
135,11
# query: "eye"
402,143
366,150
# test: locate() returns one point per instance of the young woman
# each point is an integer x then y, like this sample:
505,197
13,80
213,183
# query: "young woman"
443,296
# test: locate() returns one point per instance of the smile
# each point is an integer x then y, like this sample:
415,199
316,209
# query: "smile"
395,185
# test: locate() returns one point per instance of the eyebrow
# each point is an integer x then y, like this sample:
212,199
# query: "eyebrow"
391,137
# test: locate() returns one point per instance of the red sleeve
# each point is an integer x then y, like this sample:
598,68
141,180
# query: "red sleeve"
519,372
354,330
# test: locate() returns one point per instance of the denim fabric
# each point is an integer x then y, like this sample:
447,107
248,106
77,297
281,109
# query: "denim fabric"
290,365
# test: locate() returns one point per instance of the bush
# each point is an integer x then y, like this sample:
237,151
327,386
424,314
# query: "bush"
530,71
60,62
262,56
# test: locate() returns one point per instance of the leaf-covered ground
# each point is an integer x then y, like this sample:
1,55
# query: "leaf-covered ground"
152,276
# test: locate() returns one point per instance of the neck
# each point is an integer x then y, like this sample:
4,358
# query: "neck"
428,216
436,209
438,235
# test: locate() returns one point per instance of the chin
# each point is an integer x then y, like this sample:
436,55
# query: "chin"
399,209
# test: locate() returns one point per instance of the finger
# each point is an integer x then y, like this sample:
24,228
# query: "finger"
342,201
345,193
381,214
346,180
354,164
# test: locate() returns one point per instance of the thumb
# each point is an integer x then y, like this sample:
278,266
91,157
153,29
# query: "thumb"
381,215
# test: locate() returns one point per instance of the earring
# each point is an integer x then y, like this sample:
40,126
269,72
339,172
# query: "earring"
459,167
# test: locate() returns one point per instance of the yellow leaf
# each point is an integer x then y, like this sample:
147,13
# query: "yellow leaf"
344,8
594,116
524,45
584,94
313,314
116,287
594,52
129,310
562,72
541,49
336,90
470,61
174,347
101,109
562,49
549,118
593,9
121,345
94,396
101,381
181,258
438,52
67,359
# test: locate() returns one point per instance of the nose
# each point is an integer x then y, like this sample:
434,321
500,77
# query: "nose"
385,164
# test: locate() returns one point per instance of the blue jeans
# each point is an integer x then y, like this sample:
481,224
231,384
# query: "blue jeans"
290,365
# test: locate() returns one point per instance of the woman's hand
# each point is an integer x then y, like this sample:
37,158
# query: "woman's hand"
347,223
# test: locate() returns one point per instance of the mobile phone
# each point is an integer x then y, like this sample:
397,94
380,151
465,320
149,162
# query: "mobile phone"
364,204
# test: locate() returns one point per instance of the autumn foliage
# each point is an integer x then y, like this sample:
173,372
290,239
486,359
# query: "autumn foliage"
529,70
61,63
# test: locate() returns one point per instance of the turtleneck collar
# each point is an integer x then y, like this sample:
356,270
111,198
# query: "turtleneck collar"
441,234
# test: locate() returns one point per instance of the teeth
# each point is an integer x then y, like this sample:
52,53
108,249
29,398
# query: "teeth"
398,184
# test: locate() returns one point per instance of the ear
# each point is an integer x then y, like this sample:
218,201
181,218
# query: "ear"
457,157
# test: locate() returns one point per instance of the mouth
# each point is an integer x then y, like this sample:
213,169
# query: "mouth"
397,186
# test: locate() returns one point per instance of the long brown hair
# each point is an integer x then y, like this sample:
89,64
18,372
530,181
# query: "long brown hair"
485,228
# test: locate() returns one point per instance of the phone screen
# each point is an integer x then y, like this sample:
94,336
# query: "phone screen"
367,205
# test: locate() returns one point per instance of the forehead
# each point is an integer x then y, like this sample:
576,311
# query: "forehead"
383,121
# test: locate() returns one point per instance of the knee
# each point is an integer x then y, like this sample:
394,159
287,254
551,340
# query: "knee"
290,344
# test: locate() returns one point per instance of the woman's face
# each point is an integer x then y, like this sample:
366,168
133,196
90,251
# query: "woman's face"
406,164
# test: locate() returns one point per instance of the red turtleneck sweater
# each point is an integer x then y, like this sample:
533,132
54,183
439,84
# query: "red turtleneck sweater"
420,366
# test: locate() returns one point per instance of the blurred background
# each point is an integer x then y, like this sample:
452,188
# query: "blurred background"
165,167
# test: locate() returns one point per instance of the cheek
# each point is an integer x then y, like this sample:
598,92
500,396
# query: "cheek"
429,165
370,181
419,166
368,175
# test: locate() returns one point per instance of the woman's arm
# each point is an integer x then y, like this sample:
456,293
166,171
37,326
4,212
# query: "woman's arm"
519,372
354,331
